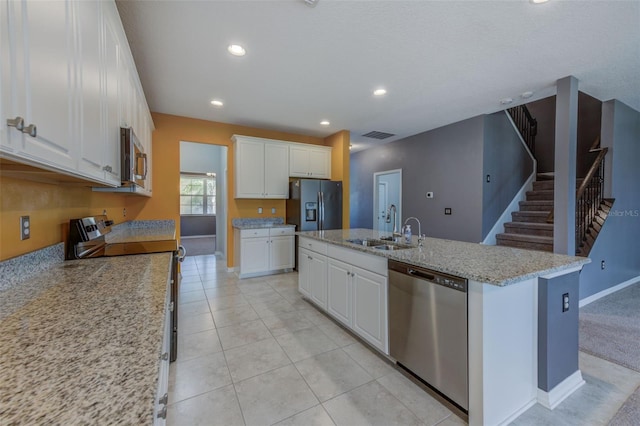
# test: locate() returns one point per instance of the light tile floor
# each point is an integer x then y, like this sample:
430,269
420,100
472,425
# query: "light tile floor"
253,352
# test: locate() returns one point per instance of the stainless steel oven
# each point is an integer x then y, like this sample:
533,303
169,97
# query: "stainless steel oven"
87,239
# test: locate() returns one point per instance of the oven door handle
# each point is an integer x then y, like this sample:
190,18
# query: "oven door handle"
182,253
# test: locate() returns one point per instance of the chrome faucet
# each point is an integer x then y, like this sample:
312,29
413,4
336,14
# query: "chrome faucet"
420,236
395,220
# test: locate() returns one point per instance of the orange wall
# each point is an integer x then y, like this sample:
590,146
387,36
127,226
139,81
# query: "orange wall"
169,131
50,207
340,168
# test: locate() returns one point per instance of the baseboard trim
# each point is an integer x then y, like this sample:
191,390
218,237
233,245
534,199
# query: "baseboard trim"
555,396
608,291
187,237
518,413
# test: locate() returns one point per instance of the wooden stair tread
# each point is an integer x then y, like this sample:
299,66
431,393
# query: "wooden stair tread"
527,238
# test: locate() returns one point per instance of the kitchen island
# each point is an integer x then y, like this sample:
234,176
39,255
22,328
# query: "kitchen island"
82,341
512,350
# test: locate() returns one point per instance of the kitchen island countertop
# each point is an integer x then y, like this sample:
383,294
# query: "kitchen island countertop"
495,265
81,342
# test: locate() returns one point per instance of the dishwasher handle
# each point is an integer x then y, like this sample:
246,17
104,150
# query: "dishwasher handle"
420,274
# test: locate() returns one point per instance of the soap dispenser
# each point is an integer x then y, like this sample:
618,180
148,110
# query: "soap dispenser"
407,234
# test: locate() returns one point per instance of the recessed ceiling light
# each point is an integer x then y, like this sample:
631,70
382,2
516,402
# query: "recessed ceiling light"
217,103
506,101
379,92
538,1
526,95
325,122
236,50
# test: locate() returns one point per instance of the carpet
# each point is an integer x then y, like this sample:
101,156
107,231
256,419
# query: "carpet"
610,327
629,413
199,245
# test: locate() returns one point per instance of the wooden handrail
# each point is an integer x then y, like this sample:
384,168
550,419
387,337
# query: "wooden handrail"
591,172
595,146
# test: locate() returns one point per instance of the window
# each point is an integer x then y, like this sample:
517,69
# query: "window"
197,194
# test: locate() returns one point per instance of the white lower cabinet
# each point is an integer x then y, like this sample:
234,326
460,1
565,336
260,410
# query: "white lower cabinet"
264,251
356,288
339,285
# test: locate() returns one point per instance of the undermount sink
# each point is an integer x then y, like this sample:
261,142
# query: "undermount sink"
379,244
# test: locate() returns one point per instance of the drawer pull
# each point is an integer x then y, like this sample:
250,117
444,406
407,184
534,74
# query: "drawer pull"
162,414
164,356
31,130
164,399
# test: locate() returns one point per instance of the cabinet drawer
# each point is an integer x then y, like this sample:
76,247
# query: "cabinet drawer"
281,232
313,245
254,233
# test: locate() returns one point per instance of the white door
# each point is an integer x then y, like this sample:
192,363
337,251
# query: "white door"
382,207
46,66
339,289
387,191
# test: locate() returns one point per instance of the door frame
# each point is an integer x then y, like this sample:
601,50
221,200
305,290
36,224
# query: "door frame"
376,180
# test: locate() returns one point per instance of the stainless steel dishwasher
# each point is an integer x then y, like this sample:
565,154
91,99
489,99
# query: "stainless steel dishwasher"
428,328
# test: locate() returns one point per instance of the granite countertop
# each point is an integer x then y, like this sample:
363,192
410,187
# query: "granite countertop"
483,263
142,230
81,342
257,223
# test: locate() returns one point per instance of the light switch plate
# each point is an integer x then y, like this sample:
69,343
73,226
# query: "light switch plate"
259,210
429,194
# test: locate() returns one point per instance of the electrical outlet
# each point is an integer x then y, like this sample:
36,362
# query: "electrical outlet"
124,212
447,210
565,302
602,265
25,227
429,194
259,210
104,212
488,178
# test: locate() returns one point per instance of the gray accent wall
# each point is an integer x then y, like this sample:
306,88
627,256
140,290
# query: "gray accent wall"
507,162
557,330
446,161
617,244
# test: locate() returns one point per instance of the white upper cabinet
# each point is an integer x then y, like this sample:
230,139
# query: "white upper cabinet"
68,83
260,168
309,161
43,82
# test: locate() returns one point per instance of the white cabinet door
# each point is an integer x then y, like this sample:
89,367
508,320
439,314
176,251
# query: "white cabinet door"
339,290
111,104
281,253
6,52
249,169
320,163
304,271
45,70
318,270
254,255
298,161
91,138
370,307
276,176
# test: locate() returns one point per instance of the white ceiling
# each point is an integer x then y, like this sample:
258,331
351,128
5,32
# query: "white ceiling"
441,61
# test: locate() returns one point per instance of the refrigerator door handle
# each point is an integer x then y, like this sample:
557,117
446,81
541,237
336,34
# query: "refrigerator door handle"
321,208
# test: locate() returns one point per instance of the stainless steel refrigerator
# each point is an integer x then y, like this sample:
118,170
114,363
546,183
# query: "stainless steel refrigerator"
315,205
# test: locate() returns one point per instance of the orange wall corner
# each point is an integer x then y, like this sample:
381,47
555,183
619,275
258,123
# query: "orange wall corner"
340,142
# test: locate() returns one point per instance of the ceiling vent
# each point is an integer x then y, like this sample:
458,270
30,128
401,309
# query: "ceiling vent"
378,135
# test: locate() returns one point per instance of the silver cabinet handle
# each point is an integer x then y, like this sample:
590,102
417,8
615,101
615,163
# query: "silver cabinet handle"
17,122
165,356
164,399
31,130
108,169
182,253
162,414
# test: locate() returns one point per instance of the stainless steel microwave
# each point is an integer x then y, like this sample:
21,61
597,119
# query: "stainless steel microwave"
133,159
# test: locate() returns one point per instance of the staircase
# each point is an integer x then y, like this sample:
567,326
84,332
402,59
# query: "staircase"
529,228
594,228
